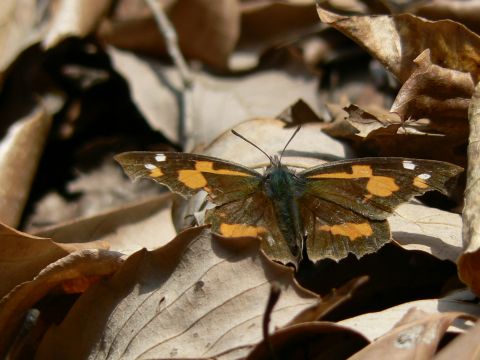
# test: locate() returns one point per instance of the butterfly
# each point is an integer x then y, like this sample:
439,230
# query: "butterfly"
331,209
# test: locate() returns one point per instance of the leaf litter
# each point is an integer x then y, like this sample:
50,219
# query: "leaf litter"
92,265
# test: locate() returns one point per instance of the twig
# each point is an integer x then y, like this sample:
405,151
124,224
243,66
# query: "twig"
272,300
171,40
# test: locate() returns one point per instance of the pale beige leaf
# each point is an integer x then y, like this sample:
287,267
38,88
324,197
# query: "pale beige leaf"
128,229
465,346
420,227
198,296
416,336
20,151
72,273
21,25
75,18
374,325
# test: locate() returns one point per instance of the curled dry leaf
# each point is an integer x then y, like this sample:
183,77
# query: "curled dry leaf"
20,151
415,336
128,229
198,296
24,255
376,324
72,273
469,262
397,40
205,32
436,93
75,18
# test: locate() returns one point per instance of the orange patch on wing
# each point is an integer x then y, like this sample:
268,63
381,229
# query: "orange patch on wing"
233,230
377,185
156,172
419,183
194,179
351,230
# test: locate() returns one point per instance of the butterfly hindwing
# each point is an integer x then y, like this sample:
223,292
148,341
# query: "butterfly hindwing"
187,174
345,203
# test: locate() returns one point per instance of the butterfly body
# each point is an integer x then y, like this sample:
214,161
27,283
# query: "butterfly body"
283,187
338,207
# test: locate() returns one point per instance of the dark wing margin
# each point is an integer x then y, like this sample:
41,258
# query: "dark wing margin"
374,187
187,174
345,203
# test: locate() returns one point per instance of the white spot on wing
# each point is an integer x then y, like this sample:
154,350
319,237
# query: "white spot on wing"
160,157
424,176
407,164
150,166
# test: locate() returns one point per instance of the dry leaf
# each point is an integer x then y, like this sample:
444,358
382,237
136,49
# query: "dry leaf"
205,32
128,229
419,227
415,336
465,346
75,18
24,255
397,40
469,262
198,296
74,272
22,24
374,325
22,145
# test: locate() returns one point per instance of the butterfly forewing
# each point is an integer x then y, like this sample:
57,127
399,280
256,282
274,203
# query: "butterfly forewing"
345,203
187,174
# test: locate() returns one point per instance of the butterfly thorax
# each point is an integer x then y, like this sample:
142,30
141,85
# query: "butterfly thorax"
284,188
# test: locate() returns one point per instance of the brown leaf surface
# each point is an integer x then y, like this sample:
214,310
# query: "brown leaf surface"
75,18
436,93
23,256
215,29
397,40
469,262
206,294
72,273
23,144
465,346
415,336
375,324
128,229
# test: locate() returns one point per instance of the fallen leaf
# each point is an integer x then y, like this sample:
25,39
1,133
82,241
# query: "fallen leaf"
435,231
206,294
373,325
75,18
397,40
79,267
23,256
468,263
128,229
215,29
20,151
465,346
416,336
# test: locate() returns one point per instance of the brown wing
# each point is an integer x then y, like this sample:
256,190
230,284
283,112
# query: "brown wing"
187,174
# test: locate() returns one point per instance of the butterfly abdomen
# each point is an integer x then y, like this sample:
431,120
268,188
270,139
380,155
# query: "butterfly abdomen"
283,188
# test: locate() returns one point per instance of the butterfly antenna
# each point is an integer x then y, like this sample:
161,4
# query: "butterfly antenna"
251,143
288,142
